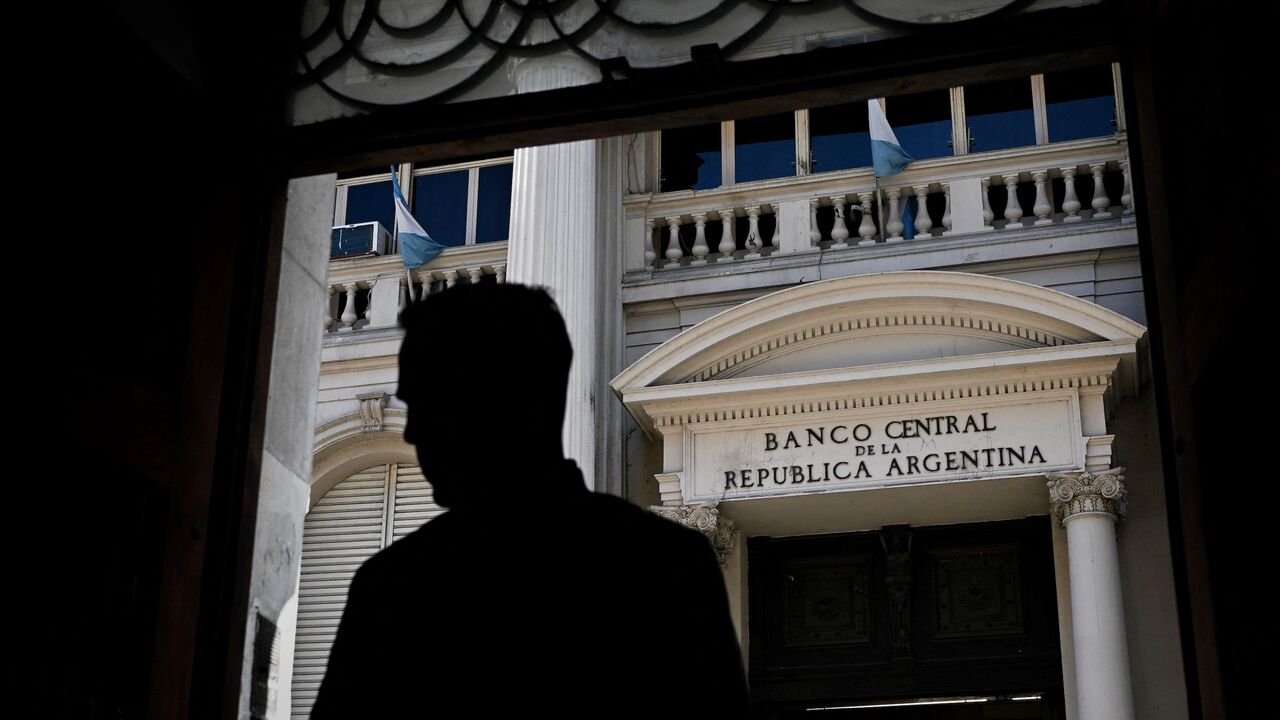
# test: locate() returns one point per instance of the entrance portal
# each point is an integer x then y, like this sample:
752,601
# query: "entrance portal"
954,621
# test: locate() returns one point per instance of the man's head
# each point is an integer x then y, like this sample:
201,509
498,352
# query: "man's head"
484,370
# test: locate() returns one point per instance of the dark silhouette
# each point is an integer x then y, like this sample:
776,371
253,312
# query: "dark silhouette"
531,594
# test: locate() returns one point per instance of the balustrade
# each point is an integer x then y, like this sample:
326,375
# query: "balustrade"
849,210
370,293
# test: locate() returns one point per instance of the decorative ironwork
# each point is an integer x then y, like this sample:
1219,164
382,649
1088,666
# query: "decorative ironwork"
433,52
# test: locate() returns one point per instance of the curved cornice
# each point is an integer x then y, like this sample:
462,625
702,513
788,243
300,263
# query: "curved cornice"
929,301
1055,340
343,446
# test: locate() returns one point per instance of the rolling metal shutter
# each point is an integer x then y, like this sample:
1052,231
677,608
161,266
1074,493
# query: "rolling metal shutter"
355,519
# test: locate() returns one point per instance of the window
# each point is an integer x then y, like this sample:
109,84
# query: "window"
922,122
1080,103
365,196
464,204
460,204
838,138
764,147
691,158
998,115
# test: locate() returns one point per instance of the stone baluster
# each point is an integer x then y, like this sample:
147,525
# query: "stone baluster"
1101,202
1043,208
1070,202
840,230
368,302
474,275
348,316
894,226
923,222
988,215
328,310
500,273
867,228
728,245
402,294
815,235
674,252
450,278
1012,208
946,208
1126,195
650,256
700,247
425,278
753,242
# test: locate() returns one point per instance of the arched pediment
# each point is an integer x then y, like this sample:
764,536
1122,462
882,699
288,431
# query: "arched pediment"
892,328
878,318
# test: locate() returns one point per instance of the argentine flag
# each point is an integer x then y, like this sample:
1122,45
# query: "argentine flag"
886,154
416,246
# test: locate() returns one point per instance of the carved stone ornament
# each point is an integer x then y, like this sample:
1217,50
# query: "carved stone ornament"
1076,493
371,405
704,518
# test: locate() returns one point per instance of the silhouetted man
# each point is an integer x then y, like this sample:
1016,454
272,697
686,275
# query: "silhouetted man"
531,594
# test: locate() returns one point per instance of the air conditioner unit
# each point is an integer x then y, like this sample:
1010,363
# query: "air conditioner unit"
359,240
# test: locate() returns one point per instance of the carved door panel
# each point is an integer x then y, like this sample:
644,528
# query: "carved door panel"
962,611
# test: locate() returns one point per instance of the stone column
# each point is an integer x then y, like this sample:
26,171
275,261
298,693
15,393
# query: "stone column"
1089,504
556,243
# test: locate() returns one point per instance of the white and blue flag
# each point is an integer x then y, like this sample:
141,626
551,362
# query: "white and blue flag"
886,154
416,246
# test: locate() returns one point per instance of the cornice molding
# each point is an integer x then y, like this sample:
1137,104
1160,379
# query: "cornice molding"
939,393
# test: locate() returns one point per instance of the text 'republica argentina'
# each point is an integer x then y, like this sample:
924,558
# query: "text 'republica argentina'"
872,454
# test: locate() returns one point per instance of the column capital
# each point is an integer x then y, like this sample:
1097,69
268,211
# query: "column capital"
1083,492
705,518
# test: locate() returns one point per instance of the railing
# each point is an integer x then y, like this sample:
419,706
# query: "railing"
1059,184
369,293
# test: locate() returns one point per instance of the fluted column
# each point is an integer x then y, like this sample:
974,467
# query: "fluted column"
1089,504
555,243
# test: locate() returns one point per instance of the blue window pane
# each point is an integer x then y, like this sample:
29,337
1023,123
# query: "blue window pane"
440,204
764,147
838,138
922,123
691,158
369,202
999,115
494,204
1080,103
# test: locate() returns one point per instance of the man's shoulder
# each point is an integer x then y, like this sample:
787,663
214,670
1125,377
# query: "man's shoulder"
616,516
432,540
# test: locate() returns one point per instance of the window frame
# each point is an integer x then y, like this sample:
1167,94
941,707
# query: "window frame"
407,173
961,137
